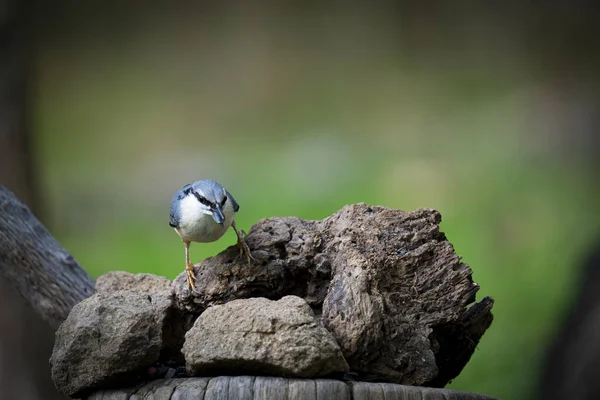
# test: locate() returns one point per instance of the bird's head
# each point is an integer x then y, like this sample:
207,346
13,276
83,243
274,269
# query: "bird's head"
212,200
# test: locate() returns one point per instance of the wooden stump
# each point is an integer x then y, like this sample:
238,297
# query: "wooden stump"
270,388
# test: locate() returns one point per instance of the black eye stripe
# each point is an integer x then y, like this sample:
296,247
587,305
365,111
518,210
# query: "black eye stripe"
202,200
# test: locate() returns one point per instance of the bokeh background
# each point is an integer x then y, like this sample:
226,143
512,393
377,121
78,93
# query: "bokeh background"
487,113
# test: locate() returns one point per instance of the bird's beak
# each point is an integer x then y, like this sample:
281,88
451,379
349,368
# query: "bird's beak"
218,216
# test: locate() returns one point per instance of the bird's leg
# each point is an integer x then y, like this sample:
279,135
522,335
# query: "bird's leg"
244,249
191,276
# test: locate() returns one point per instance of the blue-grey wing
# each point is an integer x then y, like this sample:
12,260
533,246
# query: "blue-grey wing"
174,215
236,206
175,212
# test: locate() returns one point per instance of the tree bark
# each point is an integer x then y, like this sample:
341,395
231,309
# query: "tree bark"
36,265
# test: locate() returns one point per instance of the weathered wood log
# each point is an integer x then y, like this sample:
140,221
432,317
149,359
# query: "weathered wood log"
288,260
36,265
269,388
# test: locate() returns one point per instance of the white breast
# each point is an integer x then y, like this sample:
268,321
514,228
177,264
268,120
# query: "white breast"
197,224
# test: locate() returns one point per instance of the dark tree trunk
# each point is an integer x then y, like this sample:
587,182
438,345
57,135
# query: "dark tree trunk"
25,339
16,158
573,361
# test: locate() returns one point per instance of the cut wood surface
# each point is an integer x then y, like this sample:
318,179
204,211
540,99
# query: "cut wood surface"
270,388
36,265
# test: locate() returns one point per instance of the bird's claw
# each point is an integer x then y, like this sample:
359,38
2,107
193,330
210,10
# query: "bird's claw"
244,249
191,277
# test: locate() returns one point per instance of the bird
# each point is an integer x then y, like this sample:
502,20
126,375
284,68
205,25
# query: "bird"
202,212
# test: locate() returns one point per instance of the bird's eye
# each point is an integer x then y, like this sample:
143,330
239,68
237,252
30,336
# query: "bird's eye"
223,201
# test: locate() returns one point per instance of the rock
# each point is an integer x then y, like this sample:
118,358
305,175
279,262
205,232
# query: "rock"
260,336
397,295
175,322
140,283
107,340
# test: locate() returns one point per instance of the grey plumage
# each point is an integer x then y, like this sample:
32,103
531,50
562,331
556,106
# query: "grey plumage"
175,212
236,206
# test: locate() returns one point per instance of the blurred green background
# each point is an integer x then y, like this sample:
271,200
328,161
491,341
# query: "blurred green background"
479,112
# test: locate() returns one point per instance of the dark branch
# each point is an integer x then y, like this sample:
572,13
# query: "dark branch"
35,264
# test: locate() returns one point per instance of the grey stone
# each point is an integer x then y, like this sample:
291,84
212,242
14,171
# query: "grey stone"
107,339
261,336
175,322
140,283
